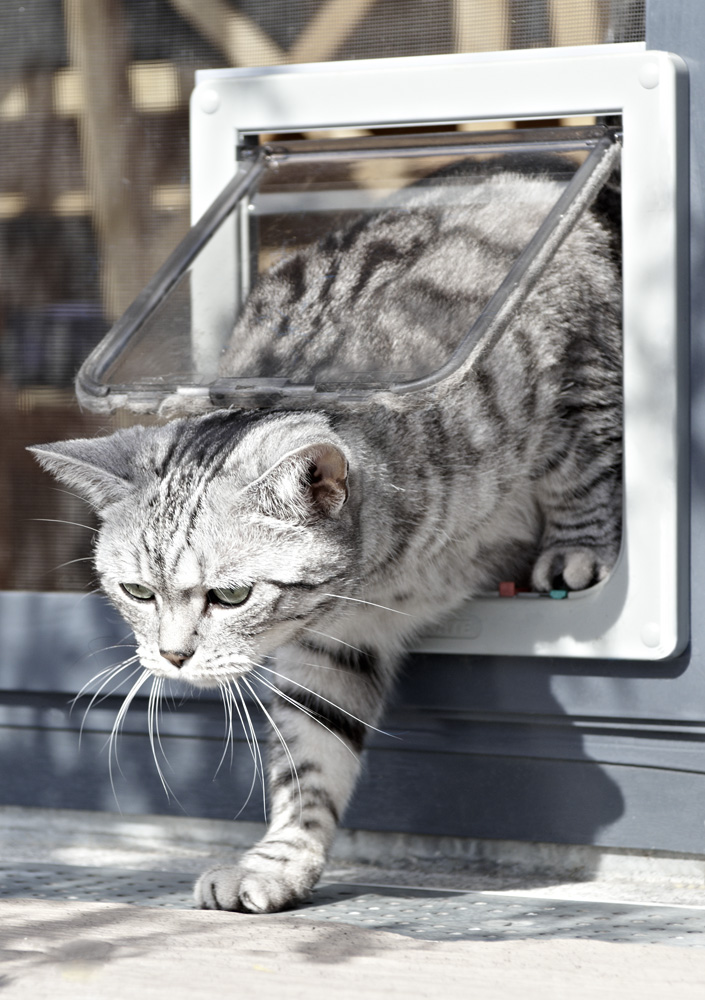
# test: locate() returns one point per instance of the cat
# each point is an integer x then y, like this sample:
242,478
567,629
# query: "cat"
329,536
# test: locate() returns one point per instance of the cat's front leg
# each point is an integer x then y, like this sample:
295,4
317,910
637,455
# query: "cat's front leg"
313,765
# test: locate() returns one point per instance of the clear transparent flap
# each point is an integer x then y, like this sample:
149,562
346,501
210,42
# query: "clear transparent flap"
190,332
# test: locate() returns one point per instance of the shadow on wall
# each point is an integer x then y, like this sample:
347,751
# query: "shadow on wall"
482,764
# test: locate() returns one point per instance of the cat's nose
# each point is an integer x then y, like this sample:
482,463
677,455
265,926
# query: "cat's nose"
175,657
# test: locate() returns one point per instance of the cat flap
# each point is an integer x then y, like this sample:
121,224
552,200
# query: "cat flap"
295,184
179,348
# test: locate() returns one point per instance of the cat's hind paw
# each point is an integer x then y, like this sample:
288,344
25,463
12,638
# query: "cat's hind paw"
258,884
570,569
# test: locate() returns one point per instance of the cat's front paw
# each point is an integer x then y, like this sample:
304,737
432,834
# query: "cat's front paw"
258,884
570,568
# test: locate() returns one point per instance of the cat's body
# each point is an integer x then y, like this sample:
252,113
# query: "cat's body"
333,537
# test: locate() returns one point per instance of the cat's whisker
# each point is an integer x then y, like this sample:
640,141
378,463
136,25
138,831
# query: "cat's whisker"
106,649
90,593
227,693
108,673
295,704
97,698
325,635
280,736
158,716
247,732
315,694
115,645
325,666
127,701
168,697
273,724
68,493
125,662
123,637
117,725
70,562
154,737
257,755
76,524
249,793
372,604
150,730
229,736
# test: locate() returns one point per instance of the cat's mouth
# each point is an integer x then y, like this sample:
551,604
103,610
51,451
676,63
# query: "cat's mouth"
196,669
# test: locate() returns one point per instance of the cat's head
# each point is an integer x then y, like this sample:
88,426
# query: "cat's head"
221,537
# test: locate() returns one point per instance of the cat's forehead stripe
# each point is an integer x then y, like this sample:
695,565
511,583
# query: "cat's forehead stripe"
200,444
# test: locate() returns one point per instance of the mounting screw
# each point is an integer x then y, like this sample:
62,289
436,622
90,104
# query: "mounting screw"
651,635
209,100
649,75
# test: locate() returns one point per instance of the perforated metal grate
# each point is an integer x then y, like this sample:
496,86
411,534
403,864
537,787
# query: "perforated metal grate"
424,914
75,883
444,915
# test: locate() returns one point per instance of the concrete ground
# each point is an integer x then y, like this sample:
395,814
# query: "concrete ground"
79,948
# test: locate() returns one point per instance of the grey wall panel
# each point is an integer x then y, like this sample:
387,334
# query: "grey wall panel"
43,765
570,802
56,642
553,778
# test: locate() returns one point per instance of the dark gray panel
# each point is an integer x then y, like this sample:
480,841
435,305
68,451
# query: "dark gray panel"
56,642
550,779
43,766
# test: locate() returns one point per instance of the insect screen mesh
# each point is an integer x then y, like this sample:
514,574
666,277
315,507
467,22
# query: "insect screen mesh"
94,183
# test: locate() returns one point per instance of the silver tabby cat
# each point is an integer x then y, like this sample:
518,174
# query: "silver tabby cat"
331,537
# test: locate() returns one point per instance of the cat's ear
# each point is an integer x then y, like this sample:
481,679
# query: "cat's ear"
98,469
311,481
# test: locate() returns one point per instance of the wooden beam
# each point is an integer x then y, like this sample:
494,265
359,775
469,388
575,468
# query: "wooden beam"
243,43
578,24
235,35
481,26
98,48
332,24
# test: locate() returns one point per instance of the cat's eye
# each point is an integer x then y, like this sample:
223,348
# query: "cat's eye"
137,591
229,597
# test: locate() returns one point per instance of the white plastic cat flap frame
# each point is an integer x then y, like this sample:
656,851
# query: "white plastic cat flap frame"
640,611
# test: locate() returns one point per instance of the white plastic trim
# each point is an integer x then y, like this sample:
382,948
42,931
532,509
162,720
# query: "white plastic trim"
641,611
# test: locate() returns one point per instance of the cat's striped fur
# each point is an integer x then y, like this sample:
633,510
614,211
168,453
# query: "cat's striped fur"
352,529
